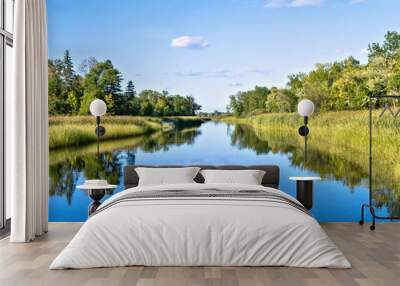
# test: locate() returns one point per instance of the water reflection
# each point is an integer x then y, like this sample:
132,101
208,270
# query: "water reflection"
69,165
345,166
338,197
245,138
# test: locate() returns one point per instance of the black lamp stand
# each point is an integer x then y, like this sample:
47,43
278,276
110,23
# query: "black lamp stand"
370,205
303,131
100,131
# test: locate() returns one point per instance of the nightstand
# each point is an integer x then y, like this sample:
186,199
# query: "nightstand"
304,190
96,193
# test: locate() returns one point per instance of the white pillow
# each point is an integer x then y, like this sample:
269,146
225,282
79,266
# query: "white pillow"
166,176
248,177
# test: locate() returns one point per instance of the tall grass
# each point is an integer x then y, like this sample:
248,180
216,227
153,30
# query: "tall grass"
78,130
343,135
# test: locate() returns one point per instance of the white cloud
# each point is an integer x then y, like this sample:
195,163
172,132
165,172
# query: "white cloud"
190,74
223,73
236,84
193,42
352,2
291,3
364,51
260,71
216,73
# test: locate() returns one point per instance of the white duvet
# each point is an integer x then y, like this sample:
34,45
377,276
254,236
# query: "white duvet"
200,231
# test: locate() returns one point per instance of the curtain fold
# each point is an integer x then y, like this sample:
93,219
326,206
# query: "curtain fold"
27,120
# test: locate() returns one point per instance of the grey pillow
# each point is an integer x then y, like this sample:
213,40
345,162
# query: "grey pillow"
166,176
248,177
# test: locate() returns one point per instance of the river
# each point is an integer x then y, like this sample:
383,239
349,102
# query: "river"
335,198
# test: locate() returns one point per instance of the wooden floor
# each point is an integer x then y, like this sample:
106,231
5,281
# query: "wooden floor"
375,257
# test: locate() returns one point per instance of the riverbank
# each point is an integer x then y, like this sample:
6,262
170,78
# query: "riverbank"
75,131
185,121
339,136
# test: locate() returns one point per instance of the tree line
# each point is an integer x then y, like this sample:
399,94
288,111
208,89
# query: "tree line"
342,85
70,93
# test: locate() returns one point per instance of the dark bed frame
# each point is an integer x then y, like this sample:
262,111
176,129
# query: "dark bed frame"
270,179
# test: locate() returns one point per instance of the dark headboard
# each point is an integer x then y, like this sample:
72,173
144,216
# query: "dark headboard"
271,177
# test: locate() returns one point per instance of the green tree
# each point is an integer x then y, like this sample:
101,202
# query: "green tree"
70,93
245,102
192,106
296,84
122,105
71,84
384,65
68,73
65,86
349,91
389,49
110,102
146,108
235,105
130,90
394,76
102,80
160,106
279,100
316,85
87,98
57,103
134,105
73,102
377,75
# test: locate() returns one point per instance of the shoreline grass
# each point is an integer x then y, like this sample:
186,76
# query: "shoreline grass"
65,131
342,134
75,131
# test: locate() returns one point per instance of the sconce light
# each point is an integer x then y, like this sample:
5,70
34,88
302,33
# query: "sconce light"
305,108
98,108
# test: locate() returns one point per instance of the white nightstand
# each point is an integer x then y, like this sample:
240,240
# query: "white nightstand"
96,193
304,190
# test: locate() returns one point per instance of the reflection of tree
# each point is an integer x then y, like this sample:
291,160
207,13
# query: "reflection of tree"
386,198
181,123
244,137
103,168
163,140
327,160
64,173
62,180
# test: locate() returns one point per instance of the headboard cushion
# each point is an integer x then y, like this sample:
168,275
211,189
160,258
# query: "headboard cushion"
270,179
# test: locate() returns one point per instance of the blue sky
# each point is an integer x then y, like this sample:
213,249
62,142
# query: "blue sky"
211,49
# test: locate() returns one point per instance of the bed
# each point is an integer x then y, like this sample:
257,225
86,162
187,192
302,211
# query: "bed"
198,224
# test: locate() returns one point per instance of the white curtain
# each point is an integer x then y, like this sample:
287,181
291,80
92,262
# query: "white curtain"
27,124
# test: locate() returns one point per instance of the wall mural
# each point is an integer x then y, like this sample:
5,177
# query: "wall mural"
186,108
